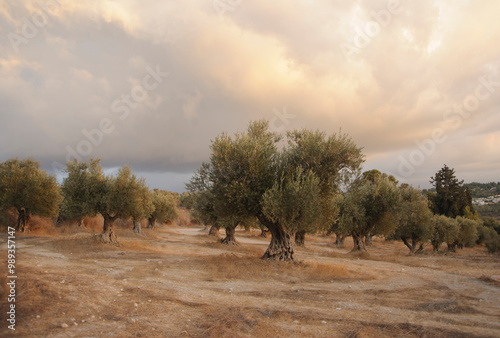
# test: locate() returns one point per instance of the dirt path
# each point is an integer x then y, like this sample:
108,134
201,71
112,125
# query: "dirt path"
180,282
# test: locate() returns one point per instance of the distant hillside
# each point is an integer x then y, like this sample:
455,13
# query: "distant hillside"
483,189
483,200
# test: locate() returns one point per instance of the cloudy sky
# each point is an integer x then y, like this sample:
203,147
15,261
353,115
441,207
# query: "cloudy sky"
150,83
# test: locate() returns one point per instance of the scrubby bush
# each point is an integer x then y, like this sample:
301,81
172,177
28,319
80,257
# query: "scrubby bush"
467,233
414,225
446,230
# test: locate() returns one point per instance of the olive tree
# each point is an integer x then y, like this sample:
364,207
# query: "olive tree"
29,190
203,200
467,234
78,201
334,159
294,200
414,223
244,167
370,206
120,198
445,231
143,204
113,197
164,207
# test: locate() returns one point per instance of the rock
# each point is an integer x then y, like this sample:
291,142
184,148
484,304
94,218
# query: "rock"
64,325
323,322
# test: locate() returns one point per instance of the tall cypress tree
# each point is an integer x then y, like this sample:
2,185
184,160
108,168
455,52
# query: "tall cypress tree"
451,197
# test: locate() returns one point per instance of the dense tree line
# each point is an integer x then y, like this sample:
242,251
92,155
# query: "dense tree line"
290,184
313,183
85,191
483,189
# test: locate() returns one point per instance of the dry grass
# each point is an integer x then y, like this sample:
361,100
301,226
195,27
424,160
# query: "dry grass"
176,282
79,243
183,218
238,322
41,226
330,271
230,266
93,224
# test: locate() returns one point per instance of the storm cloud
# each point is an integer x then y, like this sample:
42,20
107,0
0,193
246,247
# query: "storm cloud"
151,83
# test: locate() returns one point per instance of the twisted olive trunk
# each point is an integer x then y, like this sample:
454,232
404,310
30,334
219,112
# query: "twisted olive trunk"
108,230
151,223
359,242
214,230
339,240
229,239
282,246
137,228
300,237
369,240
23,219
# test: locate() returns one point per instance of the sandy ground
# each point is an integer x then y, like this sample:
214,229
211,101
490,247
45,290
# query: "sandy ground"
178,281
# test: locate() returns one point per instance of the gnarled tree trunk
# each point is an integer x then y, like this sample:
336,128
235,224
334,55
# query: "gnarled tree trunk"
229,239
282,244
300,237
108,230
359,242
151,223
137,228
23,220
435,246
452,247
214,230
413,245
339,240
369,240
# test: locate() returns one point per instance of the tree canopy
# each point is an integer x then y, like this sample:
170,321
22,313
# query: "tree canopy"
164,207
414,223
250,175
370,206
121,196
451,197
78,189
29,190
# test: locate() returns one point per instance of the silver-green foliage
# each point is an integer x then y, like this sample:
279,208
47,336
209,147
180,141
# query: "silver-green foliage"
28,189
